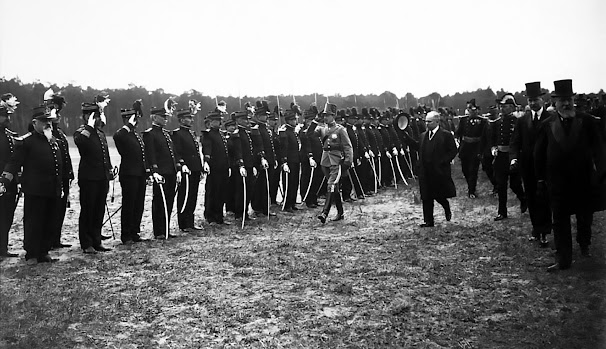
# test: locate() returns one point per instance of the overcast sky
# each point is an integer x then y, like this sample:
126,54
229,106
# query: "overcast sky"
258,48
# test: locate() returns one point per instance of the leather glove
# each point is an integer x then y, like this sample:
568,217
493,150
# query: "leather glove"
541,189
371,153
132,121
264,164
513,165
402,152
91,120
394,151
158,178
366,155
206,168
285,168
243,171
179,177
312,163
494,151
255,172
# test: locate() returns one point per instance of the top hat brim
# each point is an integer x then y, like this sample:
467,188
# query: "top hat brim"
555,94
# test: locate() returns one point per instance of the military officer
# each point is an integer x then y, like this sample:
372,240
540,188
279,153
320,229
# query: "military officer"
272,129
251,147
358,153
311,150
290,159
471,136
94,173
268,161
373,149
8,201
521,155
187,147
134,171
38,154
165,167
337,155
500,149
487,157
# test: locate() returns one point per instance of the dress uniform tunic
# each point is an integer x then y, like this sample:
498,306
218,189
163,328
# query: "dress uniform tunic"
187,146
471,134
215,149
8,201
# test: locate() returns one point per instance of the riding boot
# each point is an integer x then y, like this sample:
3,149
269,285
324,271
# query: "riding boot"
339,204
327,205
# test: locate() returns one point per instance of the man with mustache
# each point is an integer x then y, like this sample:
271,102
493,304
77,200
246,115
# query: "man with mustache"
569,162
38,155
94,174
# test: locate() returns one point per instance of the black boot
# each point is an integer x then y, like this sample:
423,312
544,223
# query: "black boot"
327,204
339,205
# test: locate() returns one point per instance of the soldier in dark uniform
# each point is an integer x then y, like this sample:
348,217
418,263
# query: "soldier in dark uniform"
337,155
397,150
373,149
94,173
389,150
165,166
358,153
217,168
487,157
290,160
521,155
268,161
363,170
274,179
38,153
8,201
500,149
185,141
251,146
471,135
311,149
379,158
134,171
56,103
569,161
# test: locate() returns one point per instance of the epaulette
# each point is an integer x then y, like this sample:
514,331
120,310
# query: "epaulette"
282,128
148,130
23,137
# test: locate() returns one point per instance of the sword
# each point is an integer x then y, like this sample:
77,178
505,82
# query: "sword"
353,187
374,172
311,178
409,163
400,170
268,198
113,214
380,177
110,220
360,183
245,208
395,179
186,193
321,184
167,218
285,190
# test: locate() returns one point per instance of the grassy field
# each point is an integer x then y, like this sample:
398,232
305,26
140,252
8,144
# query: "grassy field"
375,280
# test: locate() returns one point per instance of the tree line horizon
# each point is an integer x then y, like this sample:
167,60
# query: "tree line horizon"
31,95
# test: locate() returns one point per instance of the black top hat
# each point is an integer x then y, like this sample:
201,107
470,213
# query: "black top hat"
184,113
42,112
533,89
354,113
471,104
563,88
508,98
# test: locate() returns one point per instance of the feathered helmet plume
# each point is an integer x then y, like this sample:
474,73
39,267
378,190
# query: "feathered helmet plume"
194,106
9,102
222,107
170,106
295,108
54,101
249,107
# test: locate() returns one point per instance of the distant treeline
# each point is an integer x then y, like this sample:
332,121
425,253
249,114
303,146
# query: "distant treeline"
31,95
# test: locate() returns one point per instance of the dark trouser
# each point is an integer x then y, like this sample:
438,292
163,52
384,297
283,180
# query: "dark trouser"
230,191
92,209
186,219
305,178
333,177
488,167
366,176
7,212
346,186
502,174
538,207
37,215
59,215
293,184
158,215
316,180
386,171
470,165
274,183
562,231
215,194
428,208
240,207
133,201
259,196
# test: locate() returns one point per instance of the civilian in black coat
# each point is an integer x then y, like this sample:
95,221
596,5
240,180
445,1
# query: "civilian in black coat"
94,174
569,164
436,149
134,171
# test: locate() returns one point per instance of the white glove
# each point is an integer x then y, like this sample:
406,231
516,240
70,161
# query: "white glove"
158,178
513,162
255,172
312,163
2,189
206,167
132,121
229,172
394,151
185,169
402,151
388,155
285,168
264,164
359,162
366,155
179,177
494,151
371,153
243,171
91,120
